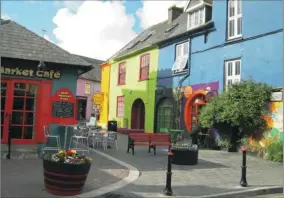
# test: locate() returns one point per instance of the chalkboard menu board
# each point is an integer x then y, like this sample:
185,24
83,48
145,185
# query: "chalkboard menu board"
62,109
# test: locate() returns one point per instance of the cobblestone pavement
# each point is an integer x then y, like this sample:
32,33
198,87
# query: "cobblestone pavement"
24,178
216,172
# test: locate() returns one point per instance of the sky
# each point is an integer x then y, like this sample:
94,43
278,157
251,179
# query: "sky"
94,28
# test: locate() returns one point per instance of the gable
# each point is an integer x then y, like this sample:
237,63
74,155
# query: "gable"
191,4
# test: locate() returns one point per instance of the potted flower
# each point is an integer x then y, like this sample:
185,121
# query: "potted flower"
65,172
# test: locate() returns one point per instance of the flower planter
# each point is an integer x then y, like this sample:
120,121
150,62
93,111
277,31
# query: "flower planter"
65,179
184,156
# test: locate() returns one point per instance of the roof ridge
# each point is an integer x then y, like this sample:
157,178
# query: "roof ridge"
49,43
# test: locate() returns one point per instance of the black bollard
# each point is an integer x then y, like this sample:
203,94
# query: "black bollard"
8,156
243,181
168,190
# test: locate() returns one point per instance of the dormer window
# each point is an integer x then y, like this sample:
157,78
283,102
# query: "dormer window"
196,18
199,13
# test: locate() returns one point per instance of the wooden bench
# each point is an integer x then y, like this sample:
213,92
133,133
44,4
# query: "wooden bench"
148,139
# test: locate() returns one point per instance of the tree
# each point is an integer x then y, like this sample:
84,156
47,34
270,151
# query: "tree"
240,108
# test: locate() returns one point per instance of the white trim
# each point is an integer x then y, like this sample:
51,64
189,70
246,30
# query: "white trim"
193,13
234,18
233,77
195,7
186,9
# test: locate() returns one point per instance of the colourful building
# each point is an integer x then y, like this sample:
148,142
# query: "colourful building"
104,102
33,71
88,84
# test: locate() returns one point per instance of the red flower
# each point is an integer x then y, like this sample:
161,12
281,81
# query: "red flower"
69,153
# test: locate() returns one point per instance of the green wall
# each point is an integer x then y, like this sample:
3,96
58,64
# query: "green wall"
134,89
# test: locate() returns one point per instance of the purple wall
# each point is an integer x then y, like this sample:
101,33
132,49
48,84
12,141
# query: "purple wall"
95,87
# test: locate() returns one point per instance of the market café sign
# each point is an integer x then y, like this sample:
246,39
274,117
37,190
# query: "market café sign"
50,74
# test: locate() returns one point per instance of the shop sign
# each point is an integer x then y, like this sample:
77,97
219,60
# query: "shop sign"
187,91
98,98
17,71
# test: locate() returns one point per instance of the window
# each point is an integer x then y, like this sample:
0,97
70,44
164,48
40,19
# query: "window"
87,87
144,67
232,72
182,53
120,106
234,19
121,73
196,18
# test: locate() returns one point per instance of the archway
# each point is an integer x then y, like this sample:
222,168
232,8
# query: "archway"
192,108
165,115
138,114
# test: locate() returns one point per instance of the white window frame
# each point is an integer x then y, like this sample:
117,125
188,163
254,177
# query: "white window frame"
232,73
88,87
237,5
181,57
192,14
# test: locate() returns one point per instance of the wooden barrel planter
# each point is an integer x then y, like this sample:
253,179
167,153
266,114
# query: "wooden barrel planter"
65,179
184,156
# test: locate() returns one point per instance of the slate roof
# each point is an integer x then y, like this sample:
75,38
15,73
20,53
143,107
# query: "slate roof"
19,42
159,34
95,73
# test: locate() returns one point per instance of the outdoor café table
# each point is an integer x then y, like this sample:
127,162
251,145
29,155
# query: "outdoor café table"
66,132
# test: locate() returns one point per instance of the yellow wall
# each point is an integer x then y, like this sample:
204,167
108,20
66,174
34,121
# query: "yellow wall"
105,76
134,89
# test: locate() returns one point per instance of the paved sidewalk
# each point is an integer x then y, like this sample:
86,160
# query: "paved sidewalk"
24,178
217,172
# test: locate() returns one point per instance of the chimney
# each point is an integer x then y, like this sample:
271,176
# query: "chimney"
173,13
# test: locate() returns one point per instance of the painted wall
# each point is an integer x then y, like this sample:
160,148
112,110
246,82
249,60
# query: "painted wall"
134,89
165,76
275,119
261,57
105,81
95,87
68,80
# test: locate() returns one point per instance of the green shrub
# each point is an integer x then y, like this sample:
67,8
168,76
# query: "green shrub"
275,151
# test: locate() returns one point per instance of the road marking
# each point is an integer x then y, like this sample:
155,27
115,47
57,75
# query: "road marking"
132,176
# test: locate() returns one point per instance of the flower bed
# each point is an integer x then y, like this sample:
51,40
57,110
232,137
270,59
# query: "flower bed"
65,172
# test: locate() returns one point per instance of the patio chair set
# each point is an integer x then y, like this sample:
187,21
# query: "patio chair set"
83,137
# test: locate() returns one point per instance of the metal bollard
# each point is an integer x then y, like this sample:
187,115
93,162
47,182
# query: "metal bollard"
8,156
168,190
243,181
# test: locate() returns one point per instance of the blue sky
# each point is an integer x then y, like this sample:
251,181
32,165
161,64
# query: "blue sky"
38,15
95,28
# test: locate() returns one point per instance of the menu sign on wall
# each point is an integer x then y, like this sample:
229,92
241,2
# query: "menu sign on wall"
63,107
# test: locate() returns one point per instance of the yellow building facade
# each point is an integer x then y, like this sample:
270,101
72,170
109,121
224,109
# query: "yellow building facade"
105,80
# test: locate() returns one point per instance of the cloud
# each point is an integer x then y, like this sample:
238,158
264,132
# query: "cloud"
5,16
96,29
47,38
153,12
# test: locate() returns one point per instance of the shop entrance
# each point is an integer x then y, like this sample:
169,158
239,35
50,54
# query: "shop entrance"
18,109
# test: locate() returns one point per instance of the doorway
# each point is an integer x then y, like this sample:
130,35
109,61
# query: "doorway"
138,115
81,108
165,115
18,110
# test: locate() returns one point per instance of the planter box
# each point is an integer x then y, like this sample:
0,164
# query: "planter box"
184,156
65,179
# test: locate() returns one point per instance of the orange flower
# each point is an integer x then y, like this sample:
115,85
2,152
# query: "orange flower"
69,153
